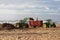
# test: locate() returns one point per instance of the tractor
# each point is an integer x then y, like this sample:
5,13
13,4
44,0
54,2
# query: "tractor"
49,23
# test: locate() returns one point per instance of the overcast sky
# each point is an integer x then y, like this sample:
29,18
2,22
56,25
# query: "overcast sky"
16,9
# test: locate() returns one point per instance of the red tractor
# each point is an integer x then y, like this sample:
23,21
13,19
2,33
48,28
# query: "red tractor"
38,23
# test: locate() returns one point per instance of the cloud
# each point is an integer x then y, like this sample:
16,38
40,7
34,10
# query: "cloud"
17,6
37,6
6,11
47,8
12,9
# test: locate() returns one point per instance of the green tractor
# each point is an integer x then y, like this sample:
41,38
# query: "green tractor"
53,25
49,23
23,23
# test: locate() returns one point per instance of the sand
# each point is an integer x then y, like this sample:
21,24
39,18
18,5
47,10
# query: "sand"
31,34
